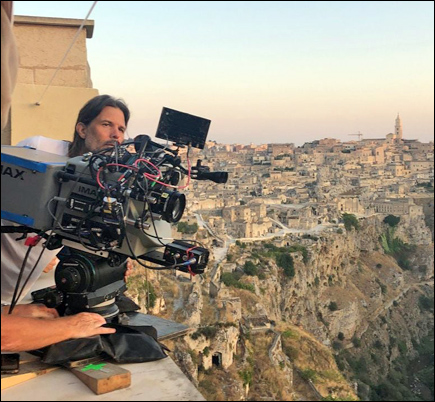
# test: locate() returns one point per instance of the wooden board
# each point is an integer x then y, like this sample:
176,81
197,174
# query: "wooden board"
103,377
30,367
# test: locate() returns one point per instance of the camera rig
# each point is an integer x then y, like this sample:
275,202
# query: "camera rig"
107,206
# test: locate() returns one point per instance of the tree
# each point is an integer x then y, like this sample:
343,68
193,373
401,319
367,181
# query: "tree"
285,261
392,220
250,268
350,221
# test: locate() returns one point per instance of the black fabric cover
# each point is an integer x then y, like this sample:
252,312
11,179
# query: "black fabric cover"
128,345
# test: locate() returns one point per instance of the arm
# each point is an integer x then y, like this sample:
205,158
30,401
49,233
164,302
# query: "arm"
19,333
32,311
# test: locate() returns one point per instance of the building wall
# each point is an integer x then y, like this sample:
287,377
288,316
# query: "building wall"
42,43
395,207
417,166
350,205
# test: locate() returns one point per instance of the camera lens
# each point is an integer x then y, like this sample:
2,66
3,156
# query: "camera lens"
170,204
178,210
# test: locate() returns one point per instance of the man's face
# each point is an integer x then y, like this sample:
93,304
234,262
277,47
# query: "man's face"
109,126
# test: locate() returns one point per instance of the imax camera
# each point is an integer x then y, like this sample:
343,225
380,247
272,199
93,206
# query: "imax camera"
107,206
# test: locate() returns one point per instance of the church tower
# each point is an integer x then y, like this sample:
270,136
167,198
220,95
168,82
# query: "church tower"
398,129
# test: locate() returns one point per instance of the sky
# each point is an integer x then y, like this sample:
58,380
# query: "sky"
262,72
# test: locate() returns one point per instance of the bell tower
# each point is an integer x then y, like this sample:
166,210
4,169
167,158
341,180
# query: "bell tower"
398,131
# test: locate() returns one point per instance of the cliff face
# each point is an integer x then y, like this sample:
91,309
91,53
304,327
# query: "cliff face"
428,208
348,272
346,292
351,292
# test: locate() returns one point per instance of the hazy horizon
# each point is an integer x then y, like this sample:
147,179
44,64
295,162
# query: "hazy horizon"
281,72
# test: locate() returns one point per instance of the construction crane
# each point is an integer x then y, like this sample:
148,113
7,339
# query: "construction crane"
359,135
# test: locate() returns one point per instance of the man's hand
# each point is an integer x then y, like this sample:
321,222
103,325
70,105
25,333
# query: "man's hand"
33,311
84,325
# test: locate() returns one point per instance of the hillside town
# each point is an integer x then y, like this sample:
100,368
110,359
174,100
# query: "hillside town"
306,244
280,187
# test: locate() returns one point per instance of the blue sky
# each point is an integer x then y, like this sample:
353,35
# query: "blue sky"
290,71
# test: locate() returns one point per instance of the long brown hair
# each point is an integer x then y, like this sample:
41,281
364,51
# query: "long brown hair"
88,113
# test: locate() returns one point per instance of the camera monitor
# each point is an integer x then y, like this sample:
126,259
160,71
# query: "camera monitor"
182,128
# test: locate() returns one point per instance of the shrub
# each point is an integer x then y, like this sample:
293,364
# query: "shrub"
356,342
152,296
290,334
336,345
378,344
405,264
208,332
185,228
423,269
250,268
308,374
383,287
232,279
403,349
291,352
350,221
379,266
426,303
246,376
333,306
392,220
340,336
286,262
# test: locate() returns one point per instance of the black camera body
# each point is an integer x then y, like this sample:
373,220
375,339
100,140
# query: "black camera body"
109,205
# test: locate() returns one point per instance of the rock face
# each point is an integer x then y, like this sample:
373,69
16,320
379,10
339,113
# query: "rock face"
230,309
193,307
428,209
218,350
349,288
342,269
345,287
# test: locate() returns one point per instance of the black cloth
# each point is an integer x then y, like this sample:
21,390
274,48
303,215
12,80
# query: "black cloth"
128,345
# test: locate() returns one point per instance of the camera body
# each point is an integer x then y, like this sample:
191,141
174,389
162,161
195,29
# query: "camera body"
105,206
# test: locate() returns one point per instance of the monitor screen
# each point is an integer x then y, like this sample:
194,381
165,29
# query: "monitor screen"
182,128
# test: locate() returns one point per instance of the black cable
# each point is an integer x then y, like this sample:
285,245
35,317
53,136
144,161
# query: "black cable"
15,296
56,224
147,192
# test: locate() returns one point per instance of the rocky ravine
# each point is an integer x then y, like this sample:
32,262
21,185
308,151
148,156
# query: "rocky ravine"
347,289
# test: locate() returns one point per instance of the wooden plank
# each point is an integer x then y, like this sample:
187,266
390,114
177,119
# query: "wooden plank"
28,370
103,377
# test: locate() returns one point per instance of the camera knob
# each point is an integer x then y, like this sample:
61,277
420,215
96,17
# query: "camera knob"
69,280
53,299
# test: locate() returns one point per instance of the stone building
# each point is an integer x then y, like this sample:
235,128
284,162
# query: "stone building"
401,206
42,43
